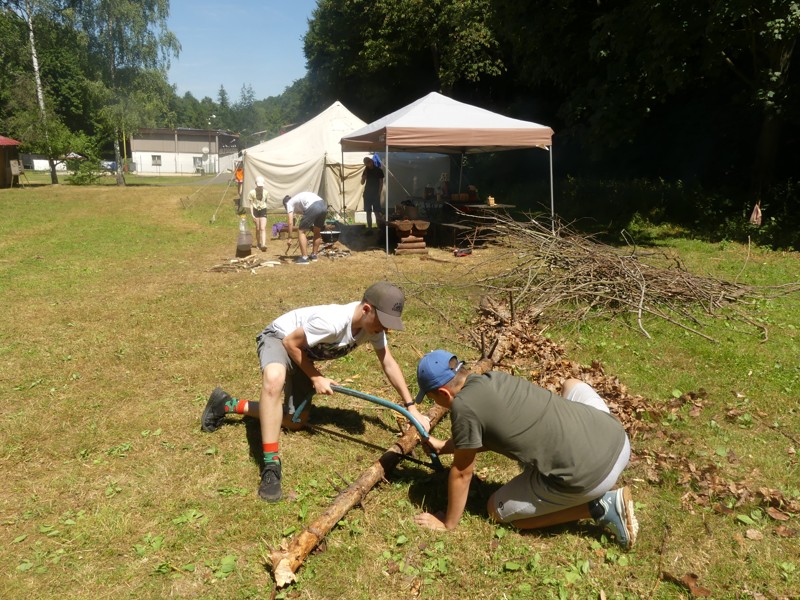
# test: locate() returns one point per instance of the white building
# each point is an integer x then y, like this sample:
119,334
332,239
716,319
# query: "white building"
182,151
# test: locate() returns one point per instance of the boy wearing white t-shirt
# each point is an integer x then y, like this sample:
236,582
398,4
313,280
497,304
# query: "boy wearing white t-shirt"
314,211
288,349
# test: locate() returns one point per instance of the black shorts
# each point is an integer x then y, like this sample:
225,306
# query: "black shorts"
260,213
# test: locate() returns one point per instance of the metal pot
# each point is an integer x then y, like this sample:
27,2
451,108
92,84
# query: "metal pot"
330,237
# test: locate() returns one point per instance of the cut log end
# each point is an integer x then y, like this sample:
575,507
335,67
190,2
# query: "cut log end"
283,573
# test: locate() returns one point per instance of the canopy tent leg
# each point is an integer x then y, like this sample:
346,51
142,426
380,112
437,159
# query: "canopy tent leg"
552,201
386,216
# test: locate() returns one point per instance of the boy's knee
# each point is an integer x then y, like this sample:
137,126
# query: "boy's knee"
272,384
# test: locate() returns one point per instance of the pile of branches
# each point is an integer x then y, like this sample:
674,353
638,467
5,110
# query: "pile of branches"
566,276
250,263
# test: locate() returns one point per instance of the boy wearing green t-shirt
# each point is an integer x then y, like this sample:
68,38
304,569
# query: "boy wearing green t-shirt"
572,448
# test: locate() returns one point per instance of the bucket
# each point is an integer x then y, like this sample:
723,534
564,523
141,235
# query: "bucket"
244,243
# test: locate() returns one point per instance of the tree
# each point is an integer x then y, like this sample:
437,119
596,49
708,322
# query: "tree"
128,35
27,9
626,71
381,53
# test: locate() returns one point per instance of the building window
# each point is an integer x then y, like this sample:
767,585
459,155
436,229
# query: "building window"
156,158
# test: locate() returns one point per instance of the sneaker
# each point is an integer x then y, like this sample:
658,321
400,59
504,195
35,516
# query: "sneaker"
301,260
313,257
214,413
619,518
270,488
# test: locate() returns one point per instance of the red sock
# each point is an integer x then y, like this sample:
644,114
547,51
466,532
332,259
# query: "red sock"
241,407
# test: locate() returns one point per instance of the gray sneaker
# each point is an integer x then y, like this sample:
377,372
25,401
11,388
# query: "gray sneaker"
214,412
301,260
618,517
313,257
270,488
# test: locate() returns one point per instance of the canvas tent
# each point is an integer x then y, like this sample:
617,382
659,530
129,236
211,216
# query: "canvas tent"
436,123
310,158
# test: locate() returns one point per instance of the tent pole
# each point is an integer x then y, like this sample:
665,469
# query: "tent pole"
386,187
460,172
552,201
341,188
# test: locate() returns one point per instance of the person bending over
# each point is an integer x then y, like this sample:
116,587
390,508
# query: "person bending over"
288,349
572,449
314,211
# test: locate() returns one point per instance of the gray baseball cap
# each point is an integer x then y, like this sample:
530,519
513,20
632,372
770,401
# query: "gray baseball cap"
387,299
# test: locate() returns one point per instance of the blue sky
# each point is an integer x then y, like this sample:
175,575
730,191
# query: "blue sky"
248,42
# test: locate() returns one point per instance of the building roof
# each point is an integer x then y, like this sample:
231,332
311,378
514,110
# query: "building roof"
6,141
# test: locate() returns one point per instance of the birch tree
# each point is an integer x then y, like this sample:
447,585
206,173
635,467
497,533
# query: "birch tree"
129,35
27,10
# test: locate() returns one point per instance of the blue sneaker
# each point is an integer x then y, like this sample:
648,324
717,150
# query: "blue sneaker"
618,517
301,260
313,257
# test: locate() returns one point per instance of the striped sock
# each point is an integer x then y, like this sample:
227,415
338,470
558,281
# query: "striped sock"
271,454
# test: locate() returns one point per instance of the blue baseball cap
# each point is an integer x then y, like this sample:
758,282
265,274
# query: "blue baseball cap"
434,371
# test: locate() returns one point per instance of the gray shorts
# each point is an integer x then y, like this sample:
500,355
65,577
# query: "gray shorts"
314,216
530,494
298,387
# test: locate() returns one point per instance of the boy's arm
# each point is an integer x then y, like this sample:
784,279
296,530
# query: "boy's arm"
295,344
395,376
457,490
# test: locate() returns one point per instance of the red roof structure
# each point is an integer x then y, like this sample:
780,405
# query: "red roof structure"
6,141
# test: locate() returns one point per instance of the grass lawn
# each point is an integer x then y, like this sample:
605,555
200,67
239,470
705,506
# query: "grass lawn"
115,331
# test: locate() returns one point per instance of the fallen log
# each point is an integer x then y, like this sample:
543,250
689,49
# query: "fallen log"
286,561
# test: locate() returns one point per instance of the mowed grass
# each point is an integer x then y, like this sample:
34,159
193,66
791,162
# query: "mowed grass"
115,332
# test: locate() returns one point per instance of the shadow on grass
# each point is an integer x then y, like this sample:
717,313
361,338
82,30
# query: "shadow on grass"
350,422
428,492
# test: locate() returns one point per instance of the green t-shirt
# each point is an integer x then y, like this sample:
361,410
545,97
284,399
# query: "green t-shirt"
574,445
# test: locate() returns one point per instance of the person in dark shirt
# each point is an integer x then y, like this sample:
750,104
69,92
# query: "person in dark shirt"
372,180
571,448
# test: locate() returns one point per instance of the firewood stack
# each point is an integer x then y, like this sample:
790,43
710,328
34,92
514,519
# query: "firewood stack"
411,236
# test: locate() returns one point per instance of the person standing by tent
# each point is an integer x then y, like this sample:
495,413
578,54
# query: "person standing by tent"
238,176
571,447
258,198
372,180
314,210
288,349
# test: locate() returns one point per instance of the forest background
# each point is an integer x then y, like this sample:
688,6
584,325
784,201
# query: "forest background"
682,112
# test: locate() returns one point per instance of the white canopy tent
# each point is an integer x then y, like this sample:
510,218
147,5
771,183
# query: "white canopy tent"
436,123
310,158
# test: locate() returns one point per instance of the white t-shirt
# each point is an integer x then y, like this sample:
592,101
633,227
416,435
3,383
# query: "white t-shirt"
328,330
299,203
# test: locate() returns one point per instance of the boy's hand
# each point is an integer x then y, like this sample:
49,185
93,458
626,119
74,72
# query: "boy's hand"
322,385
434,444
435,522
424,421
